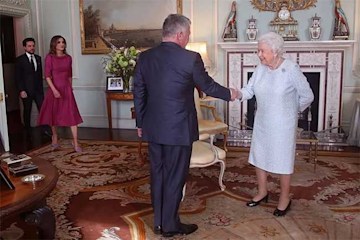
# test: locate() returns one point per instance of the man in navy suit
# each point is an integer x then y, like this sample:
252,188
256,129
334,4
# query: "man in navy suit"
164,82
29,79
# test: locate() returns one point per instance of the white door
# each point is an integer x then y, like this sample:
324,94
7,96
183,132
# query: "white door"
4,137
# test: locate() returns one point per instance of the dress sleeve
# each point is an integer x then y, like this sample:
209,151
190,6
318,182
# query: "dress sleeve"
304,92
48,66
248,91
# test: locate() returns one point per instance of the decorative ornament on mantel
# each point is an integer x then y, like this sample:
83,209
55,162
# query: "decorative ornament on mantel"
315,30
230,30
341,26
252,31
121,62
283,23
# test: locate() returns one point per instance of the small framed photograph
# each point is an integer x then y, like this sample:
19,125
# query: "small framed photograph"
114,84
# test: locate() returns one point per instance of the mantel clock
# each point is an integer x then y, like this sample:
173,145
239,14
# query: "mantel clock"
283,23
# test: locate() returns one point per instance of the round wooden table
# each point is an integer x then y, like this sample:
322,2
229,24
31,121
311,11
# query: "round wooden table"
29,201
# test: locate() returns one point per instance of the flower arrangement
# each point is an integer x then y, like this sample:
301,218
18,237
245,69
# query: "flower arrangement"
121,62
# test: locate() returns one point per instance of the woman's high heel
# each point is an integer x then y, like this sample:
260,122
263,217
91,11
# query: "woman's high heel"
280,213
77,149
54,146
253,203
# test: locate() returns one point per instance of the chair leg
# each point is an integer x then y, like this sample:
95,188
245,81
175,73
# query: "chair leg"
225,141
221,175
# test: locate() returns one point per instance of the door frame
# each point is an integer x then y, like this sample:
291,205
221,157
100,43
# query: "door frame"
4,136
21,12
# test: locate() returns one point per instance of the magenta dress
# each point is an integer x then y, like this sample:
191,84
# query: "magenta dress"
59,111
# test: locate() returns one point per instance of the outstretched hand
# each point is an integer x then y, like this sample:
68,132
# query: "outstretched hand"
139,132
234,94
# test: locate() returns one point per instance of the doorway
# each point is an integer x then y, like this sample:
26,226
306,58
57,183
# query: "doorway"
8,52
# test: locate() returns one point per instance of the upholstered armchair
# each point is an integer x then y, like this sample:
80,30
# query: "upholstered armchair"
205,154
210,126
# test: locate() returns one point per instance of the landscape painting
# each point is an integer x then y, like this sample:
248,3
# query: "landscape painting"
123,23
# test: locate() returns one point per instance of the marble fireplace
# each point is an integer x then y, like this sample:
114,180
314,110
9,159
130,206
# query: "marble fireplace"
321,62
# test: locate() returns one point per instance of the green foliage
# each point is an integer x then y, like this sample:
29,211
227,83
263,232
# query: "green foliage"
121,62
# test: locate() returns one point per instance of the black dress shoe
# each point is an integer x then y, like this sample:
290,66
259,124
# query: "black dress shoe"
280,213
185,229
158,230
253,203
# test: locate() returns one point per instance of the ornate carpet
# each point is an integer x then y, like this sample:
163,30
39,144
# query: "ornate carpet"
103,193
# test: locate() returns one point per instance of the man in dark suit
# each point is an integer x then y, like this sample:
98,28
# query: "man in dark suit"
164,82
29,79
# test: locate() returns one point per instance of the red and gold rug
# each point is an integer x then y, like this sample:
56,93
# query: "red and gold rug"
104,193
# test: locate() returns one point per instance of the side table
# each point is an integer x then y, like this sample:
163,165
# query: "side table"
116,96
120,96
30,201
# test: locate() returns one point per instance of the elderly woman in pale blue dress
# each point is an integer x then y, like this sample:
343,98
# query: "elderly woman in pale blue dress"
281,91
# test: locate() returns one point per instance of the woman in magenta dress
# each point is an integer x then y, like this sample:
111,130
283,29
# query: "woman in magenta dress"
59,107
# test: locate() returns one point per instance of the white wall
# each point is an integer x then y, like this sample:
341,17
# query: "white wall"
51,17
89,78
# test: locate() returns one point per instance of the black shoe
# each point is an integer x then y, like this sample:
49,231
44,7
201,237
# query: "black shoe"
253,203
158,230
185,229
280,213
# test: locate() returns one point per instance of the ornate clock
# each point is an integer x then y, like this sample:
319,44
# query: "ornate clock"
283,23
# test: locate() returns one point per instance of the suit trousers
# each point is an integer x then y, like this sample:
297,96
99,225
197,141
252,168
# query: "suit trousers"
169,170
27,102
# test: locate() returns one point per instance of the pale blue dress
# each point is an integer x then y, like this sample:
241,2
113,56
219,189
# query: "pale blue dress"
280,95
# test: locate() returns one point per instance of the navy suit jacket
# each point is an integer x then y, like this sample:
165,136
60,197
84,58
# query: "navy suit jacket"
26,78
164,82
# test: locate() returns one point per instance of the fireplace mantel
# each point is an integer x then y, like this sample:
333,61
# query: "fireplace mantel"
324,57
291,45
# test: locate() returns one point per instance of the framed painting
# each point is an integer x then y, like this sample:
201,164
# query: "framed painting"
114,84
123,22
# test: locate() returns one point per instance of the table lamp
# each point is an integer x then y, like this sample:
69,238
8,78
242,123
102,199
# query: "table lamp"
201,48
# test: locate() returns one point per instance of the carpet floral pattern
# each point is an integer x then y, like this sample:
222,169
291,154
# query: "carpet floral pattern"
104,193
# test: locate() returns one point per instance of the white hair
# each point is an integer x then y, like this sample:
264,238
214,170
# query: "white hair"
274,41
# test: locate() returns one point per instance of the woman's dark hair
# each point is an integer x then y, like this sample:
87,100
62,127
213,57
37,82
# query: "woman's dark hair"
53,44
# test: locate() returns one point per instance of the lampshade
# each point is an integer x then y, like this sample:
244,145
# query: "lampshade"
201,48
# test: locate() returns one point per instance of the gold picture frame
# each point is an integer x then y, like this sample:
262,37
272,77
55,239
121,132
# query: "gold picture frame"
97,39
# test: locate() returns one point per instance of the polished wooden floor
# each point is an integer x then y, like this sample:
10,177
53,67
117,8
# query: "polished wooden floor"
22,140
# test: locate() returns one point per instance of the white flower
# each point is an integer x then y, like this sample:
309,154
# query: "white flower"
121,62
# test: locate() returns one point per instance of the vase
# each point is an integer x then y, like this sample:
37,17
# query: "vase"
315,33
251,33
126,84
